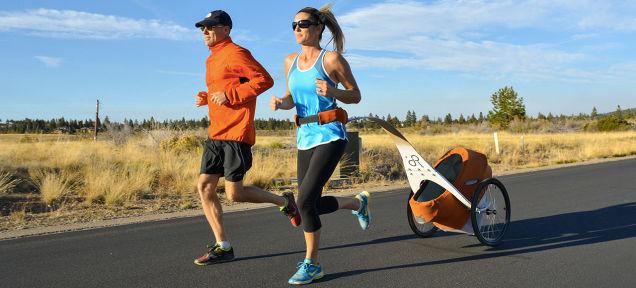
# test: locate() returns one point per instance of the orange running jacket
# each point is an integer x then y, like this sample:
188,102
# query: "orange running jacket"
232,69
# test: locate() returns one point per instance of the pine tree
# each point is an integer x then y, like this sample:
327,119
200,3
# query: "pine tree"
407,119
541,116
506,107
448,119
550,116
413,119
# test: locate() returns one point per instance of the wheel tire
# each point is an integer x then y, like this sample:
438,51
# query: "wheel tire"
490,232
422,230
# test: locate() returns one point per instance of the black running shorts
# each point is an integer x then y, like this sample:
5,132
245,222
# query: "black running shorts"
230,159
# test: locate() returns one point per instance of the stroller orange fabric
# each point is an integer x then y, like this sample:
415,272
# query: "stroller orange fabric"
465,169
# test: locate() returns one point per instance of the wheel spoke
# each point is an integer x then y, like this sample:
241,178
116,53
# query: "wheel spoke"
499,226
492,226
490,215
494,202
492,219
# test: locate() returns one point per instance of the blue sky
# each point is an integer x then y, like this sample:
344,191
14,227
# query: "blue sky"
144,58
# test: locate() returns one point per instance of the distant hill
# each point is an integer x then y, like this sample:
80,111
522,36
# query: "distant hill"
626,112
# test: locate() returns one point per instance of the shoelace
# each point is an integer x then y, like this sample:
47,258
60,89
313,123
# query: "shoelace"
363,206
303,267
213,248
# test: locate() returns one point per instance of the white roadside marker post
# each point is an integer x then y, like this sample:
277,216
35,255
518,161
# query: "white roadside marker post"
496,143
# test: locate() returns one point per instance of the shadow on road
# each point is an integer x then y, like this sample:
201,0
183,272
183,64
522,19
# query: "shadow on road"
374,241
539,234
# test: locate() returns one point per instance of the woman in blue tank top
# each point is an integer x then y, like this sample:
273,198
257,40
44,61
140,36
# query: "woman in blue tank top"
313,76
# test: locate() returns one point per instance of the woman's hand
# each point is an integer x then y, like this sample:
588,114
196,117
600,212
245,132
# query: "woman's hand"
338,69
275,103
323,89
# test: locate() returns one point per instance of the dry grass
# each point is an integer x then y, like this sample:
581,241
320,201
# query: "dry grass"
18,217
164,164
270,163
54,186
158,164
537,150
7,183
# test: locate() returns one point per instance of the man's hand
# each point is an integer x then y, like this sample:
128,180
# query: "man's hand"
218,98
201,99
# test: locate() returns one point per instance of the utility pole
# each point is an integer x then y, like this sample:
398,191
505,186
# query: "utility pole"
96,120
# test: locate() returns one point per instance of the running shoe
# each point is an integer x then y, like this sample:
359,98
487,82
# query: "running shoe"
215,255
363,213
307,272
291,210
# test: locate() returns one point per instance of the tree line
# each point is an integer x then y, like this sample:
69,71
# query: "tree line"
72,126
506,107
62,125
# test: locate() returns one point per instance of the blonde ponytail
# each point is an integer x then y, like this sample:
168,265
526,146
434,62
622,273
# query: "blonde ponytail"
326,17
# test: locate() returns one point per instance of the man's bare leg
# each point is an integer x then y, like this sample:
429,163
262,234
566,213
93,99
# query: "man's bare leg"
211,204
235,191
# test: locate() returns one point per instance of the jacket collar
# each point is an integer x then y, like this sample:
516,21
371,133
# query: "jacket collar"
221,44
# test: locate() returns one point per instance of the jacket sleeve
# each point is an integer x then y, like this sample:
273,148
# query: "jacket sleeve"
258,80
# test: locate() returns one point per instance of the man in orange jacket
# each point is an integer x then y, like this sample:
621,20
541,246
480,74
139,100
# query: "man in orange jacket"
234,79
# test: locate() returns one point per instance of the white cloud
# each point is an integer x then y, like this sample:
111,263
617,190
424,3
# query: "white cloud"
49,61
607,15
479,37
622,70
84,25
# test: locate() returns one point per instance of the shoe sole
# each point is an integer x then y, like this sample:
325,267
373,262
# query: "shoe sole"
368,196
211,263
316,277
299,219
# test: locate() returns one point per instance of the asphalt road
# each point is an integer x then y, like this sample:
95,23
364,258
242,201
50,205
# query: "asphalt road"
571,227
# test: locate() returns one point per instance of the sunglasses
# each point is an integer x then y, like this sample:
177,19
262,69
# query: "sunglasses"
209,28
303,24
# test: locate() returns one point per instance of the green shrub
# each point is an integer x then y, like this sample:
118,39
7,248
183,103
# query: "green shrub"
28,139
184,143
612,123
276,145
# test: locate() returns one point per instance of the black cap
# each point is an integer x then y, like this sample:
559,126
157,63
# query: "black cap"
217,17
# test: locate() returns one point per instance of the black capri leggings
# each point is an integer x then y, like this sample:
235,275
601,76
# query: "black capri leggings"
315,166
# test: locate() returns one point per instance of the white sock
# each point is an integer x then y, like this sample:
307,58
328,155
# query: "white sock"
225,245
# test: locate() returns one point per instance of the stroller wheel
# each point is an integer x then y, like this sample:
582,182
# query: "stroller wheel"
490,212
419,226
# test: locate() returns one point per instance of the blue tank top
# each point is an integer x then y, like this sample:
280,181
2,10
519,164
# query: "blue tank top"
302,85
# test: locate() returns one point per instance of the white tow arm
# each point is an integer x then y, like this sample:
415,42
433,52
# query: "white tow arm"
417,169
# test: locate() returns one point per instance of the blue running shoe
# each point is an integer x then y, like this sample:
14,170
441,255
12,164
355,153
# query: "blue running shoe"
364,216
306,273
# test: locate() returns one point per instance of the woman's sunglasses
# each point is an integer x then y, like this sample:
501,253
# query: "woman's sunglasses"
303,24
